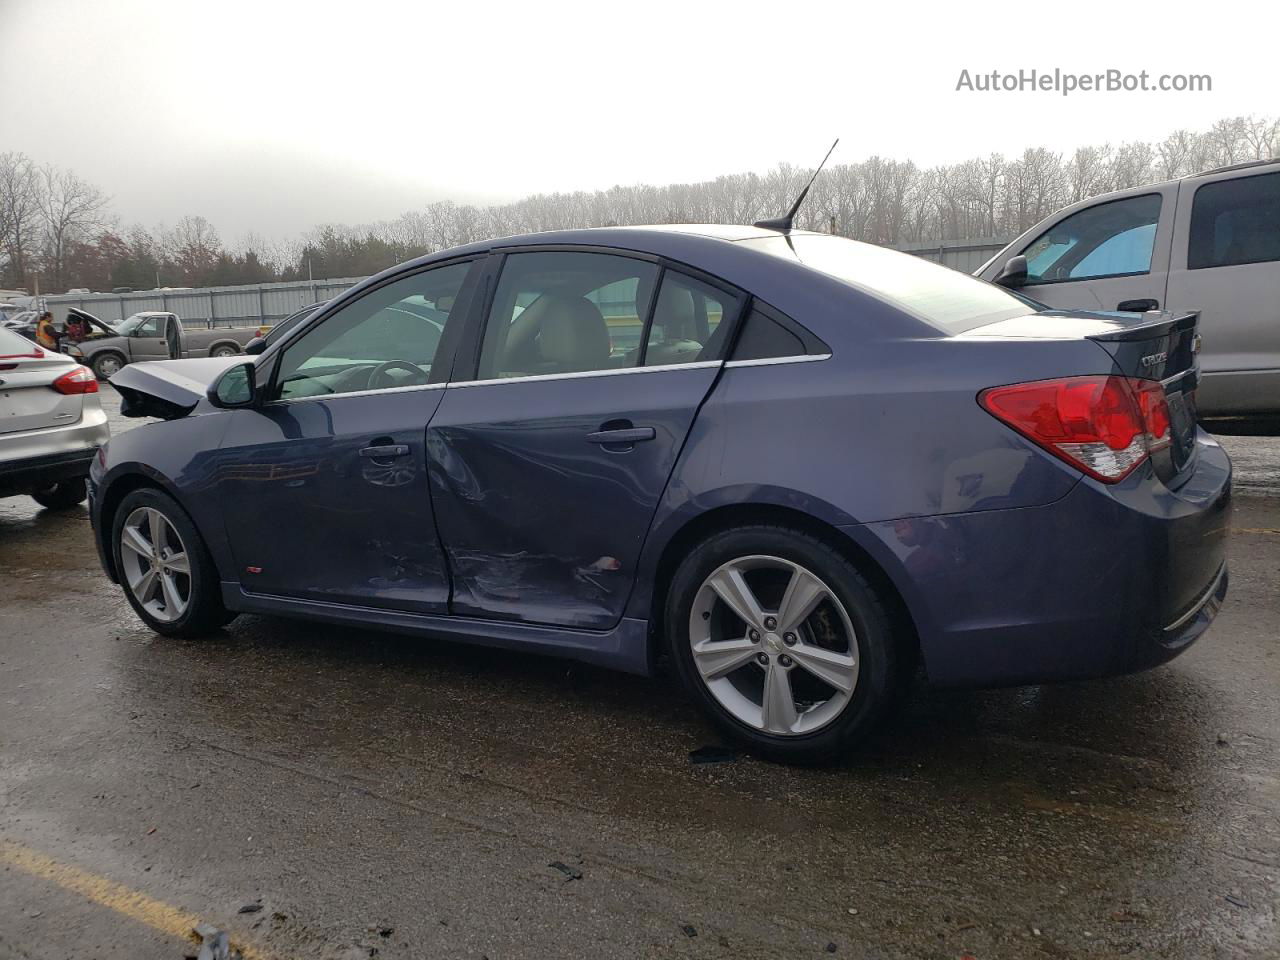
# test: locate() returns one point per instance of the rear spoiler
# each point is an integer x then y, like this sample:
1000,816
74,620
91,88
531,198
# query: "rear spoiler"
1154,323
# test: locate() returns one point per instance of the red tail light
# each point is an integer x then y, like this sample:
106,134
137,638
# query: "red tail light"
79,380
1104,426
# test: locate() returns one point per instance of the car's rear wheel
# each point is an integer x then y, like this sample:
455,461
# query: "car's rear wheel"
782,641
225,350
164,566
105,365
63,495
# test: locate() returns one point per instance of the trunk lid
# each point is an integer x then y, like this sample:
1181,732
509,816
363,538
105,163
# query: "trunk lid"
1162,346
1157,345
168,389
27,398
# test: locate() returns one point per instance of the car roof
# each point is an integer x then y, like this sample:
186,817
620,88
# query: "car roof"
717,250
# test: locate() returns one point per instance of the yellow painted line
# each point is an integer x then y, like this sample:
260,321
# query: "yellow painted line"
125,901
1270,530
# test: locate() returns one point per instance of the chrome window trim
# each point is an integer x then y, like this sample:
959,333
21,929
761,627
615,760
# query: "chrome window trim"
358,393
770,361
583,374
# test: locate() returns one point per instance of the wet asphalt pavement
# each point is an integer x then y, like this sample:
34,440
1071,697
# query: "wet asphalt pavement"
384,796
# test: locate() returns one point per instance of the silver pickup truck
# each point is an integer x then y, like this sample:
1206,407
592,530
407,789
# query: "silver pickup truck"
152,335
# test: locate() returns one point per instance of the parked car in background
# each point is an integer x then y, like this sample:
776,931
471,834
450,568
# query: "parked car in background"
21,321
820,462
1210,242
51,423
153,335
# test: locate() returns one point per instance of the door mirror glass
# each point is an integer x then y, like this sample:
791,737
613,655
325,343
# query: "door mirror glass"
235,388
1014,273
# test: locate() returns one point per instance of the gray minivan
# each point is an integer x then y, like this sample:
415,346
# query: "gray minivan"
1209,242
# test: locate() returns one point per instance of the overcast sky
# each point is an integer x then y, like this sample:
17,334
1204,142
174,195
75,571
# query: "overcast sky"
274,116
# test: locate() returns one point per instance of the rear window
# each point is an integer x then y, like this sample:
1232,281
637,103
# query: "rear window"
953,301
1235,222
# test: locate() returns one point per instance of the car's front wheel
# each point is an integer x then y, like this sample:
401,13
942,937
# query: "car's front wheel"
164,566
782,641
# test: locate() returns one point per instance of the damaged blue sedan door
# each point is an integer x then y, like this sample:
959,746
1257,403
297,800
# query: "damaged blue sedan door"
324,485
547,465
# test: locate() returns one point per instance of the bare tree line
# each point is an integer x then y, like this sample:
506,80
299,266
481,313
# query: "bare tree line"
55,226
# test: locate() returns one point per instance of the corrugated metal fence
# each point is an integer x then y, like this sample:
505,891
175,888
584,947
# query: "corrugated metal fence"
246,305
257,303
965,256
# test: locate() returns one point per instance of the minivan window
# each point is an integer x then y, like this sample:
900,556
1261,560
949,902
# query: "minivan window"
1235,221
946,298
1112,239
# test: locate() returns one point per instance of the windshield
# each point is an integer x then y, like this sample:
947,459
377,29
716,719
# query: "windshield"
953,301
129,324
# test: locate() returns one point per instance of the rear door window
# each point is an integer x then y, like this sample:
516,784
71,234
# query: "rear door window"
566,312
1234,222
686,318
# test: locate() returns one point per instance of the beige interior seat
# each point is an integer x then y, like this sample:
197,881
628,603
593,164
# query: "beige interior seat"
675,316
558,334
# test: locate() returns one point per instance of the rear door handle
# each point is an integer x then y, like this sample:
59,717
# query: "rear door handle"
1138,306
385,451
625,435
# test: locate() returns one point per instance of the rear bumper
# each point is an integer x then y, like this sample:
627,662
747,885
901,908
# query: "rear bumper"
39,473
1106,580
35,459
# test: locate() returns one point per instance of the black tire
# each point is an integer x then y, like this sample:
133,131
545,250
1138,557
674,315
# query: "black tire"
102,360
879,653
205,612
63,495
224,350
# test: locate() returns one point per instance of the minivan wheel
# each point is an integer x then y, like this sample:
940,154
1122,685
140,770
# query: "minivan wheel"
164,566
784,644
63,495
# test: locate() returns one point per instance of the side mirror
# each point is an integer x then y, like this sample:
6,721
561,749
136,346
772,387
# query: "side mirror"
1014,273
255,346
235,388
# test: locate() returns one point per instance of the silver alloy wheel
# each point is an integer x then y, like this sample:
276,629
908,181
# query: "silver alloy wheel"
108,366
774,645
157,570
224,352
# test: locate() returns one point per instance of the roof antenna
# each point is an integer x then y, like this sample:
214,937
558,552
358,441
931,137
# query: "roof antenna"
784,224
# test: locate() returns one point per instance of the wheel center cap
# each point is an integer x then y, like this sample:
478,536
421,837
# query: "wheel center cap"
773,643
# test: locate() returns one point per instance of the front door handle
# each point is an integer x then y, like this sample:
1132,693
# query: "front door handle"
385,451
1138,306
623,435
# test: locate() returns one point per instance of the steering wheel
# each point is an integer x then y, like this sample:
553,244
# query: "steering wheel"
379,374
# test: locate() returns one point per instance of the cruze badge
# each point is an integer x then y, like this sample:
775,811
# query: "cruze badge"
1151,359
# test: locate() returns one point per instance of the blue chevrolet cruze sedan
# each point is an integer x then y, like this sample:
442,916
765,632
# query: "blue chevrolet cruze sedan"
794,466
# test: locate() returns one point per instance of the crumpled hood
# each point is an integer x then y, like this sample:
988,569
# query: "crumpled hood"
168,389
